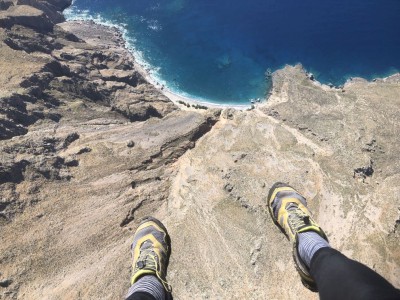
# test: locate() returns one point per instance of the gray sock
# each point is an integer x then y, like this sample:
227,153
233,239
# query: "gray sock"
309,243
148,284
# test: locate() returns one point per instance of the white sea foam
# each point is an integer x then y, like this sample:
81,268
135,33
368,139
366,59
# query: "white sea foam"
154,25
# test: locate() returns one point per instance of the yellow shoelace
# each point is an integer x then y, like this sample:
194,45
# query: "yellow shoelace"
298,218
148,256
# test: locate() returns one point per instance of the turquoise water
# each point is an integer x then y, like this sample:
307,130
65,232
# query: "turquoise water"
219,51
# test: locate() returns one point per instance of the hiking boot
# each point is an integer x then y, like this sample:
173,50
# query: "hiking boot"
151,249
289,211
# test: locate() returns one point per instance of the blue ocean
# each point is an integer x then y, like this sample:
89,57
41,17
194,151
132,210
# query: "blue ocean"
219,50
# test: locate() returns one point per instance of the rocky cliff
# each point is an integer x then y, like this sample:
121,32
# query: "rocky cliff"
88,147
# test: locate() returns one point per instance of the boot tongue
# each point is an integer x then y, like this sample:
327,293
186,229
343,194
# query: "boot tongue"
146,245
291,206
146,260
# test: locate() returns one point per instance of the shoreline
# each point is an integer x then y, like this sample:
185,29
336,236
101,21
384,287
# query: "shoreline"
175,97
123,43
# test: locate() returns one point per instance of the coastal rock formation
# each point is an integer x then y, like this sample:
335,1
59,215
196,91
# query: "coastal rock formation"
89,147
25,15
37,14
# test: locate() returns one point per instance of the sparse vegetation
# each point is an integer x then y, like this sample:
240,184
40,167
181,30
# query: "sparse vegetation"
198,106
184,103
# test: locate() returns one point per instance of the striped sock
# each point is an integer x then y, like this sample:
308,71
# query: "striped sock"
309,243
148,284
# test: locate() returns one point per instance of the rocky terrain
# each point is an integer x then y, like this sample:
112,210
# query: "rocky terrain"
88,147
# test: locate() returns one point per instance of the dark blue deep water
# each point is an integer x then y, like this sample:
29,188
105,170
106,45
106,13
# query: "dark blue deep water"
219,50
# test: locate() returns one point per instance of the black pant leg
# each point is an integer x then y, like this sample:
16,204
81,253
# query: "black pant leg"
140,296
339,277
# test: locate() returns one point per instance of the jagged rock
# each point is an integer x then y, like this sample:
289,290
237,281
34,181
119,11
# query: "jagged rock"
41,80
25,15
114,86
82,89
49,9
129,77
72,137
139,112
8,129
15,116
364,172
11,171
5,283
5,4
140,107
228,187
84,150
30,41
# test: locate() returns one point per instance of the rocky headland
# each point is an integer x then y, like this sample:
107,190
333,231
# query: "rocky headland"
89,146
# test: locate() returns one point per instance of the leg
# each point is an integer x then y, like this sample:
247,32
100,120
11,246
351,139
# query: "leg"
146,288
338,277
322,268
289,211
151,249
